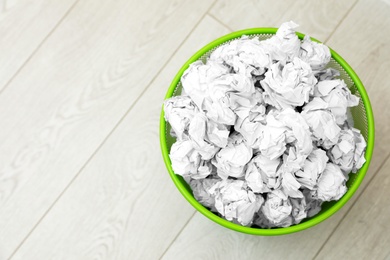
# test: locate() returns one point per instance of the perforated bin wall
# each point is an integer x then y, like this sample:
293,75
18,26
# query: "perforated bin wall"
361,114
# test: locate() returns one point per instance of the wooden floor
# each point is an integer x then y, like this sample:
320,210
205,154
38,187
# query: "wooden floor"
81,87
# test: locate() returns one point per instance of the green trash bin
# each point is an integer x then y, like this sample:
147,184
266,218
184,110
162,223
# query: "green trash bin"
362,116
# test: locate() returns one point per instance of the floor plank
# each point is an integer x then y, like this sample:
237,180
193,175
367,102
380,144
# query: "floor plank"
203,239
365,228
306,244
366,31
71,94
85,76
24,24
365,235
123,205
239,15
316,18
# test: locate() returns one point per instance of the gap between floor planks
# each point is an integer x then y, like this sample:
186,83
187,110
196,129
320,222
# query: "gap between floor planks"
115,126
39,45
353,204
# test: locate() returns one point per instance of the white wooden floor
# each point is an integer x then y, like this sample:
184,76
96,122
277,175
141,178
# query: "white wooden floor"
81,86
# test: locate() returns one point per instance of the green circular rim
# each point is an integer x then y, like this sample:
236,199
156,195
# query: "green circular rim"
276,231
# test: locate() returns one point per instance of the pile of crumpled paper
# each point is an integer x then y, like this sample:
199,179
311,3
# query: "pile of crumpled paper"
261,129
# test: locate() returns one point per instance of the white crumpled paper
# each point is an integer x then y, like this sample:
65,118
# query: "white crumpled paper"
290,185
333,95
186,160
348,153
234,201
331,184
201,190
188,122
326,74
262,131
251,120
314,165
231,160
216,91
197,82
313,206
272,143
298,136
179,111
288,84
245,56
323,126
299,209
262,173
285,45
277,209
316,54
197,134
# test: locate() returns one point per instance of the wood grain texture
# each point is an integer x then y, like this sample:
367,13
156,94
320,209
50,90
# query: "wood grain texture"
364,231
68,98
364,41
124,204
240,15
24,24
317,18
203,239
303,245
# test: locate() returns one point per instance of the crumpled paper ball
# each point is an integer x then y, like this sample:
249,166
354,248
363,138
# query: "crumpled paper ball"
349,150
331,184
277,208
245,57
234,201
317,55
231,160
287,85
334,96
179,111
